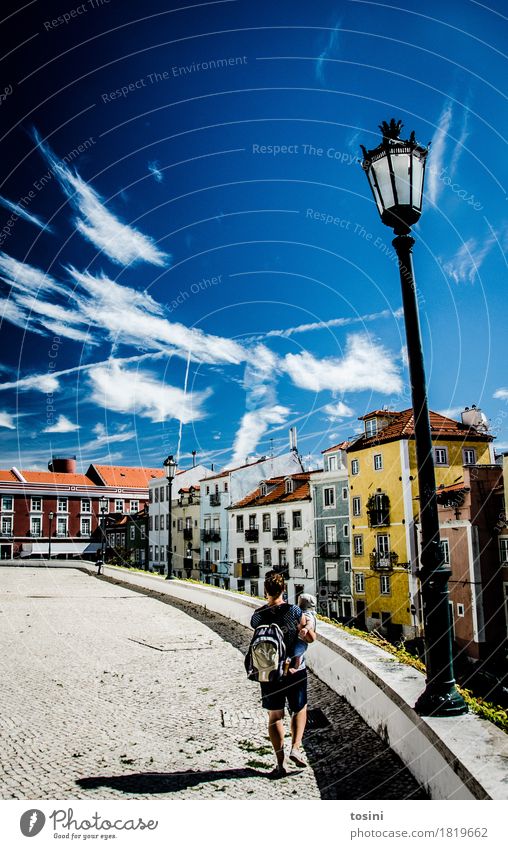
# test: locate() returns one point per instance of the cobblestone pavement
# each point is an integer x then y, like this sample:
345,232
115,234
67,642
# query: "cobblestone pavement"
108,693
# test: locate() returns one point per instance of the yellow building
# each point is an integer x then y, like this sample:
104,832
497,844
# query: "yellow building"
384,509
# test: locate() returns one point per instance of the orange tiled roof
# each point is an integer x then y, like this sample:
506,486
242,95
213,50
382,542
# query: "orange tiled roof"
380,413
342,445
402,427
7,475
301,491
56,477
127,476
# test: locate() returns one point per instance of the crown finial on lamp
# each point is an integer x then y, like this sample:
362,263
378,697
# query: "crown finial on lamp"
391,130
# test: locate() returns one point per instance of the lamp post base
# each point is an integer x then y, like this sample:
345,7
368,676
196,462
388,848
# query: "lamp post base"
441,702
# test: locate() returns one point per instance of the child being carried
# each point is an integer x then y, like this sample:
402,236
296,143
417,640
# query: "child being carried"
307,604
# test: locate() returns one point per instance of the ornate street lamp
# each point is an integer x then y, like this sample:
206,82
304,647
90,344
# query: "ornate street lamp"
395,170
103,506
170,465
51,516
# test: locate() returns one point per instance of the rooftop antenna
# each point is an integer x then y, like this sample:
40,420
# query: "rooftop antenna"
193,459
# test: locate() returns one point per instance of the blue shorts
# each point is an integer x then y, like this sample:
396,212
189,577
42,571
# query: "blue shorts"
291,688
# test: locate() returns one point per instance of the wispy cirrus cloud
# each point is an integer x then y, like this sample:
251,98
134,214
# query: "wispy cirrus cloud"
120,242
107,437
465,265
337,411
155,171
122,390
438,148
327,324
501,394
7,421
331,50
21,212
62,425
366,365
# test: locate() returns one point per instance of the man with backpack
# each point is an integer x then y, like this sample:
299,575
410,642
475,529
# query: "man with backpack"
277,625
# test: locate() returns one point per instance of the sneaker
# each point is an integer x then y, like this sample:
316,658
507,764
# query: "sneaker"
298,757
278,772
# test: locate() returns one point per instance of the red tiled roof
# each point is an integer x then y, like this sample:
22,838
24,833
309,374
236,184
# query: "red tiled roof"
342,445
380,413
57,478
453,487
402,427
7,475
127,476
301,491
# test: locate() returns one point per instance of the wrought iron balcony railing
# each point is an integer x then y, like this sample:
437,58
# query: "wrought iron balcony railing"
206,567
215,499
252,534
280,533
247,570
187,533
210,535
329,550
383,562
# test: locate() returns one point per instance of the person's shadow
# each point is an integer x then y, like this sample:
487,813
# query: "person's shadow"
165,782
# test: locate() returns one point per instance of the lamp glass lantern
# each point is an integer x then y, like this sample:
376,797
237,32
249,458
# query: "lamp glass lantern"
104,504
395,170
170,465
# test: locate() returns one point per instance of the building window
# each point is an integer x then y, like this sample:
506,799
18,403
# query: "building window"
359,582
86,506
460,610
225,486
156,552
347,566
61,527
441,456
156,494
357,505
150,552
240,555
207,490
384,583
358,544
161,493
118,505
371,427
61,505
253,555
240,585
288,485
253,587
156,523
329,496
134,505
378,462
36,505
383,546
355,467
282,557
344,493
266,522
150,499
162,522
445,548
239,524
252,522
298,556
469,456
7,504
263,489
297,520
35,527
345,530
216,555
6,526
332,463
267,558
503,549
179,524
86,527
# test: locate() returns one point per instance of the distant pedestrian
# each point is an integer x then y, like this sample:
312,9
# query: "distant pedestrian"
291,689
100,565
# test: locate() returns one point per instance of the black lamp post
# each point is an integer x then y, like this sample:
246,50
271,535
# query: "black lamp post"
104,504
395,170
170,465
51,516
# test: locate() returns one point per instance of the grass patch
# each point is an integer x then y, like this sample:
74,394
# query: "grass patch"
250,747
257,764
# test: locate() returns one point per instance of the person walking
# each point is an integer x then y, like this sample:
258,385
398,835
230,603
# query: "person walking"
291,689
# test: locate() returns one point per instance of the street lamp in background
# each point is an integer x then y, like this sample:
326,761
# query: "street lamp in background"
395,170
51,516
103,506
170,465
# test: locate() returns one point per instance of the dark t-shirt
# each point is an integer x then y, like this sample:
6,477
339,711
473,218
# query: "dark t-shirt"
286,616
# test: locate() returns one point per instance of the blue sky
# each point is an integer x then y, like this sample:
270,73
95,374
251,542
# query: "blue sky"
190,254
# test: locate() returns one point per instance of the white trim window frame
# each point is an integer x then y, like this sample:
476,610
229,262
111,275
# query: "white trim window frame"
36,504
328,497
86,526
378,462
359,582
357,505
469,456
355,466
445,545
441,456
385,585
86,505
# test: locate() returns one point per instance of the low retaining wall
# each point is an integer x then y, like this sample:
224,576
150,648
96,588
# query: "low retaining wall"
463,757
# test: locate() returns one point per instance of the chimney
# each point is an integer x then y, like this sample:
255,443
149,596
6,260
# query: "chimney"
293,444
193,459
63,465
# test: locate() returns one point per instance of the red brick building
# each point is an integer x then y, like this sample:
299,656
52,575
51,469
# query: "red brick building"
27,498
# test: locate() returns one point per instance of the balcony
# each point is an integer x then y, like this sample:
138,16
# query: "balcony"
383,562
210,535
215,499
206,567
187,533
252,534
247,570
280,533
329,550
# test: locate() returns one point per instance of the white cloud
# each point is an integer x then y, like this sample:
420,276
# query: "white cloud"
451,412
154,169
62,425
464,266
21,276
104,437
120,242
252,427
331,48
502,394
337,411
324,325
45,383
21,212
365,365
6,420
123,391
438,146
